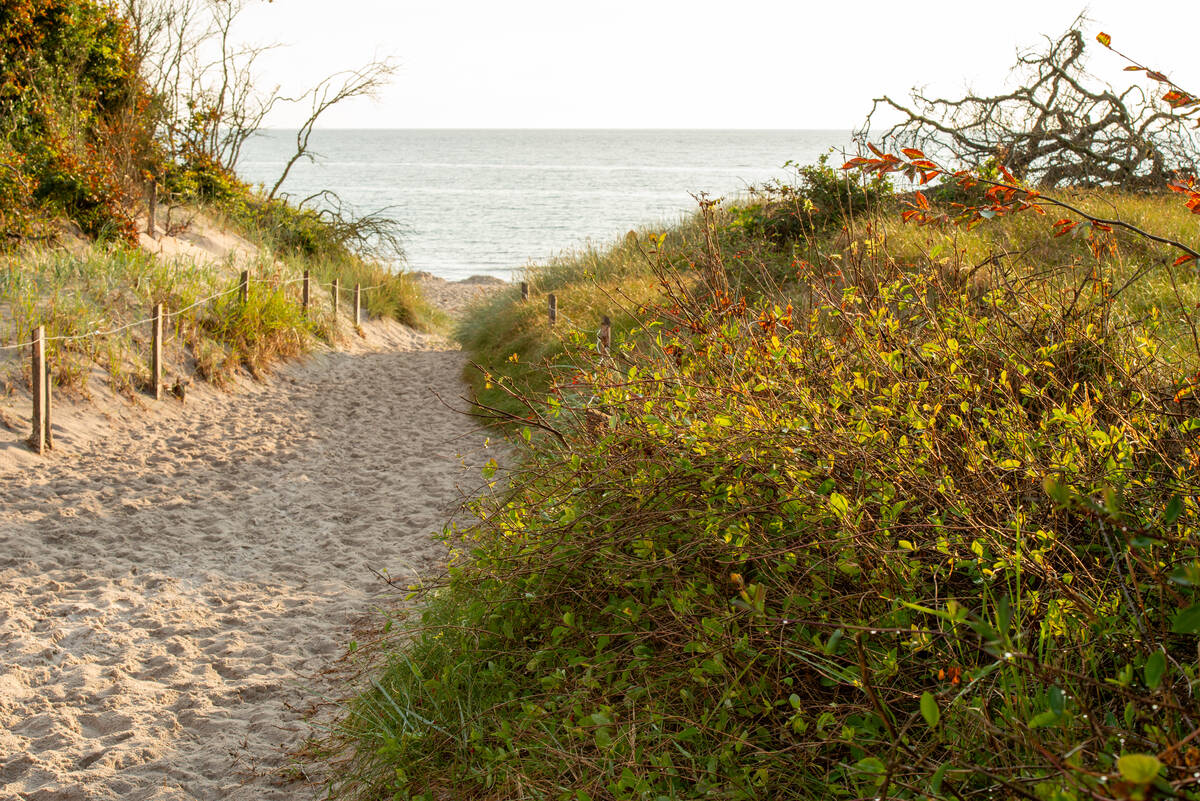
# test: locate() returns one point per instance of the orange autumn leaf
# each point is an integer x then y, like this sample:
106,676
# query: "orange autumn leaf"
1104,39
1184,259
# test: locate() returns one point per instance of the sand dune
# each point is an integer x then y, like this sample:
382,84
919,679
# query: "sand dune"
171,588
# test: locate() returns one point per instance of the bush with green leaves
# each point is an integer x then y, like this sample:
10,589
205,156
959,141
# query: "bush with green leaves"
905,541
820,197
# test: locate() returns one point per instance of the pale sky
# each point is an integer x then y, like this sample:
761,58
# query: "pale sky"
675,64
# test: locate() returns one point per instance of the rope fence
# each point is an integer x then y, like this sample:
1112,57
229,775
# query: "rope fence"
42,439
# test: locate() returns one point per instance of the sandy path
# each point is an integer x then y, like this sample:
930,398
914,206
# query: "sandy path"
168,595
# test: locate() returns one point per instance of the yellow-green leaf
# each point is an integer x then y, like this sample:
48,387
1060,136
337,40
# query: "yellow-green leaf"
1139,768
1156,665
930,710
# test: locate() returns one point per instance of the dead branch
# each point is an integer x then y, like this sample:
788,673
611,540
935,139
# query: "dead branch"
365,81
1053,129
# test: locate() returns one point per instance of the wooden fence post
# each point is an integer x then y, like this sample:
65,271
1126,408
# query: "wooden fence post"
604,336
37,380
151,207
305,293
357,305
337,291
553,308
244,287
156,342
524,290
48,394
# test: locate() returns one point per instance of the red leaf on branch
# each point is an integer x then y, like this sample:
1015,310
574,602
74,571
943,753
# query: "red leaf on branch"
1104,39
912,153
1134,69
1064,226
875,150
922,201
1184,259
1176,99
1158,76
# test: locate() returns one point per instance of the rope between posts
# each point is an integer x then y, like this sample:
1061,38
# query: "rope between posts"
119,329
42,438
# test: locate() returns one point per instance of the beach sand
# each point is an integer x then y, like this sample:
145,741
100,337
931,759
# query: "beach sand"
176,577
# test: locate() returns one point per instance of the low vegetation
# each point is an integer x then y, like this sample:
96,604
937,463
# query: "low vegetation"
856,509
354,250
76,295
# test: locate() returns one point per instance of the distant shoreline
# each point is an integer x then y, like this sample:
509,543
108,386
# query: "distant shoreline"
848,131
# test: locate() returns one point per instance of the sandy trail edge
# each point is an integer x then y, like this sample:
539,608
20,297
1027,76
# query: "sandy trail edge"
170,592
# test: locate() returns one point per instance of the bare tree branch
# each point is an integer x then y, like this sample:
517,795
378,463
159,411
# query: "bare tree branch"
365,81
1053,129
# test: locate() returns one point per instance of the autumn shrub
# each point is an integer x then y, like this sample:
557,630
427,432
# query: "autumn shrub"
75,112
901,539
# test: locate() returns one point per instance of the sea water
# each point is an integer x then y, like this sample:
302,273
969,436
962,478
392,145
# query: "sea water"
488,202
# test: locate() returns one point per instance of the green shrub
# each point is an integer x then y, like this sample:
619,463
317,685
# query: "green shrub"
821,197
203,180
908,541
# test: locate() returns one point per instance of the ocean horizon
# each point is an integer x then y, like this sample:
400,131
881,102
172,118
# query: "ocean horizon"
491,201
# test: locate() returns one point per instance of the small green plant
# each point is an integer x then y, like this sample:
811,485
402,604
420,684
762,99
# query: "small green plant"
819,197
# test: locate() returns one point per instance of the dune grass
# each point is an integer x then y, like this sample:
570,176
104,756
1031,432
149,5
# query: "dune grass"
364,251
510,341
106,288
